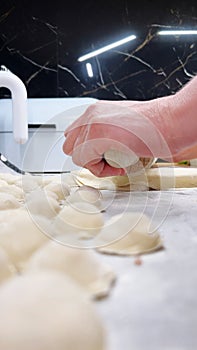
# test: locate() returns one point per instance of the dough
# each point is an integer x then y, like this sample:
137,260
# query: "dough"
9,178
20,236
3,183
68,179
163,178
8,201
6,268
38,203
86,194
172,177
118,159
60,189
129,161
47,179
193,162
28,183
80,264
51,194
129,234
81,217
112,183
48,311
85,177
16,191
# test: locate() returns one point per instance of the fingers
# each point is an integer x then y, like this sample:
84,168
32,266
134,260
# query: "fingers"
74,132
84,119
74,138
102,169
89,155
70,141
87,146
104,126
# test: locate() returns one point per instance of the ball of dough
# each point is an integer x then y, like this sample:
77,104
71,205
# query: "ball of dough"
8,201
6,268
130,161
47,311
80,217
82,265
86,194
38,203
20,236
118,159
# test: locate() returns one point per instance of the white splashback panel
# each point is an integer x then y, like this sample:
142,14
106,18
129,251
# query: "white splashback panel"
43,151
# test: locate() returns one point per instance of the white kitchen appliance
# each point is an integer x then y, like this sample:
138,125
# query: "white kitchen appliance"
47,120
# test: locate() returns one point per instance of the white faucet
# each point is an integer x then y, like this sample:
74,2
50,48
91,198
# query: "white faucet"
19,103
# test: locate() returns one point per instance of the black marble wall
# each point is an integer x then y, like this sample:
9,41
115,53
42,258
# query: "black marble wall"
40,41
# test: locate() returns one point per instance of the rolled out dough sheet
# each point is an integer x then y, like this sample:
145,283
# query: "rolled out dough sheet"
163,178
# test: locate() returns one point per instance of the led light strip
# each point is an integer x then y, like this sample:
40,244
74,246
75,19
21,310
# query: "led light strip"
89,70
177,32
106,48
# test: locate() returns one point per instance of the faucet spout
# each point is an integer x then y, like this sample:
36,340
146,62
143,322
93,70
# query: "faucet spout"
19,103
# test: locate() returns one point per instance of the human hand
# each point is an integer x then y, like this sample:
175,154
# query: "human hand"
127,127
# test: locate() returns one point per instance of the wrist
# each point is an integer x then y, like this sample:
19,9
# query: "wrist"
183,110
164,119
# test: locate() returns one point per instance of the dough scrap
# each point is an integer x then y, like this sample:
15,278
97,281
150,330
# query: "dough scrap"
129,234
20,236
8,201
80,264
48,309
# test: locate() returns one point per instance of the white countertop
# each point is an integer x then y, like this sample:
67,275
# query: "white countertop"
153,306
